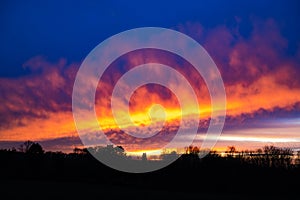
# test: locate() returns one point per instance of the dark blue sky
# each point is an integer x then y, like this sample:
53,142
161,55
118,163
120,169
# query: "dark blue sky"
71,29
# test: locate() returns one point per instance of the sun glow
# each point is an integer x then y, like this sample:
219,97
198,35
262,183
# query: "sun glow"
139,153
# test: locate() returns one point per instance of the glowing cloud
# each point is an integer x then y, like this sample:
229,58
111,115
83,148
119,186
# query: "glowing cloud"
258,72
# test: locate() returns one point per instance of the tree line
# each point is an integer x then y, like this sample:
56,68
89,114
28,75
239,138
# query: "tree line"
269,168
268,156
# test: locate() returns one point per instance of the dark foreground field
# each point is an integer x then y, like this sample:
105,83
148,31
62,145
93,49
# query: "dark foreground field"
37,189
57,176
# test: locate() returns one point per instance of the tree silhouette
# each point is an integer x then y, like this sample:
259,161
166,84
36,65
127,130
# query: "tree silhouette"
31,147
25,146
107,152
120,151
144,157
77,150
169,156
231,150
192,150
35,148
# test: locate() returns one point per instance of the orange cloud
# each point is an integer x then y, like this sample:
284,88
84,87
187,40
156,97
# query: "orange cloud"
257,71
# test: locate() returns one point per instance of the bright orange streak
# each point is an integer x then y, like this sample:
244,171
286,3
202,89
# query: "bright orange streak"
55,126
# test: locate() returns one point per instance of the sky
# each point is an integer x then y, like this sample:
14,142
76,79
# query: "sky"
255,45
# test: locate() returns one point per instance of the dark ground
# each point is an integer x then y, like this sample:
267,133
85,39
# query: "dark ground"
25,176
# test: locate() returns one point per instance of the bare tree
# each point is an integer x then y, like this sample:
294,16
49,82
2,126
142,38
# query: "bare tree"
231,150
192,150
25,146
31,147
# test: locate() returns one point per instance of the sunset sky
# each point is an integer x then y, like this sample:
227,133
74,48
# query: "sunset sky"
255,45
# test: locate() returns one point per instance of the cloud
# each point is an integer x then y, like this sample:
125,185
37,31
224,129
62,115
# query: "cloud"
261,80
30,102
64,144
